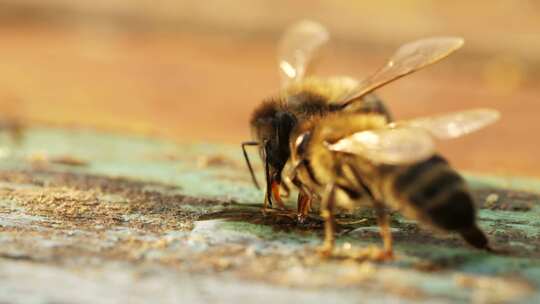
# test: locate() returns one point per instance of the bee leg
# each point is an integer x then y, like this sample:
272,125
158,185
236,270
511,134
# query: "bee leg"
268,193
265,204
304,203
304,198
276,196
327,212
386,234
286,190
272,196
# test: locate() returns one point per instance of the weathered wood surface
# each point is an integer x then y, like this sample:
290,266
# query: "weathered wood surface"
88,217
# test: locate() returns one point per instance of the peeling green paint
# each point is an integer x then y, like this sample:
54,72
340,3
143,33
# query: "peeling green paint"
190,209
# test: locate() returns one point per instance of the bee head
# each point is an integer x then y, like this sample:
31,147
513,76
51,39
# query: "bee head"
275,141
272,125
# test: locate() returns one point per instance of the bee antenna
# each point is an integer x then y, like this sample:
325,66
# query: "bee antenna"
248,163
268,180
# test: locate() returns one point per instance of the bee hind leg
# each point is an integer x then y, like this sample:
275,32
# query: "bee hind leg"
384,228
327,213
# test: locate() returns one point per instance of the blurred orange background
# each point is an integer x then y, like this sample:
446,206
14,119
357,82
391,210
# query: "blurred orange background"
194,70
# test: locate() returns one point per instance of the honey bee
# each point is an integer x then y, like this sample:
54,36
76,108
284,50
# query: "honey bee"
304,97
387,164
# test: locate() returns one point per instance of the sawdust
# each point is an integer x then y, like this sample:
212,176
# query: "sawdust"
505,199
75,218
92,199
155,207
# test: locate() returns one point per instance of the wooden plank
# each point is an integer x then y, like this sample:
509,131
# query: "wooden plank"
90,217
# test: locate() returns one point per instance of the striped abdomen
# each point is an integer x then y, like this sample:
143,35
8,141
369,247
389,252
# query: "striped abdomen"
434,193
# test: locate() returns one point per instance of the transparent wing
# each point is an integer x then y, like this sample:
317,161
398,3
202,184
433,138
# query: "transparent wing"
455,124
297,47
396,146
407,59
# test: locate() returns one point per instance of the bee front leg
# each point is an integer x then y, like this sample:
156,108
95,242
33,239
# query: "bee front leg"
266,203
272,195
275,196
327,212
384,229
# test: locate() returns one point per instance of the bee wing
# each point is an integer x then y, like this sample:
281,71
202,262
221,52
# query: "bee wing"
455,124
407,59
297,47
402,145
